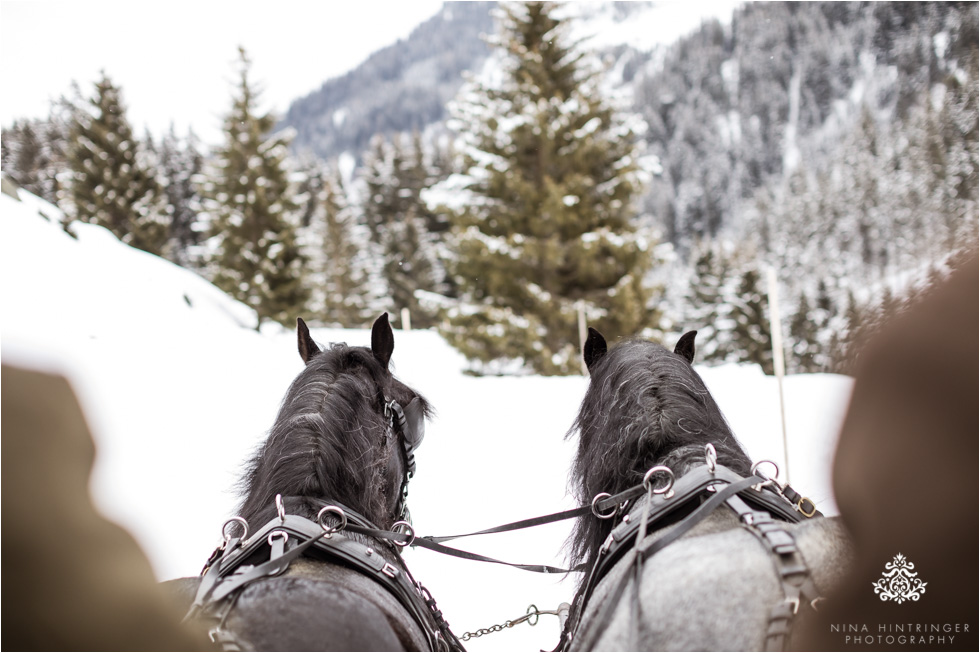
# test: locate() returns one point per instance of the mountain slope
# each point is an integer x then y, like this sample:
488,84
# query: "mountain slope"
401,88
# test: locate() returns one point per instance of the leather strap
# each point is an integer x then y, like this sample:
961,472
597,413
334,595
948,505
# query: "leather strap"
793,573
641,552
230,573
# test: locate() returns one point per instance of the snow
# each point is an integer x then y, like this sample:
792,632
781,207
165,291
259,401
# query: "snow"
179,388
656,24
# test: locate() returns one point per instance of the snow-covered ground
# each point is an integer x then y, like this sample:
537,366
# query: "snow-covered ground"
179,389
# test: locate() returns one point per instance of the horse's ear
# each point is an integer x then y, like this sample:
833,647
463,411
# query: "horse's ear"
307,348
595,348
382,340
685,346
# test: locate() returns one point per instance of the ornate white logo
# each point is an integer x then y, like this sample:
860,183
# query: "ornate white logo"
899,583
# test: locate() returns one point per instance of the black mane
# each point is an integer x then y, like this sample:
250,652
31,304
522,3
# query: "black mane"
331,441
645,406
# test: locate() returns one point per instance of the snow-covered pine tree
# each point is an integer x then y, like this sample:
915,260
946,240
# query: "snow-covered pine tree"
545,215
110,183
802,339
250,204
180,163
399,224
34,153
706,307
751,337
345,295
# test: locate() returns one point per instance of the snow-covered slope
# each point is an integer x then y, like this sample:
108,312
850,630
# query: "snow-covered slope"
179,388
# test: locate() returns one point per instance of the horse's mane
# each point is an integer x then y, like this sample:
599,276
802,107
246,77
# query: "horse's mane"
645,406
331,441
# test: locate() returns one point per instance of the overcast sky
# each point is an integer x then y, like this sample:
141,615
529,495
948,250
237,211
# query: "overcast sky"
175,60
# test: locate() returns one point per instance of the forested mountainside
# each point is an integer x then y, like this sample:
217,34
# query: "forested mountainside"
401,88
836,143
730,110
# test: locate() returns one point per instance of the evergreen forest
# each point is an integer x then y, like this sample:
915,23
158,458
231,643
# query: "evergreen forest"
555,184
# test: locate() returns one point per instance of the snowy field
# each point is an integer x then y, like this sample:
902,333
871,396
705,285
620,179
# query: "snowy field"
179,389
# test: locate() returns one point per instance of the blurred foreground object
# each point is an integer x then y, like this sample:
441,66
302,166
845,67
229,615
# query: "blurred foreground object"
905,479
72,580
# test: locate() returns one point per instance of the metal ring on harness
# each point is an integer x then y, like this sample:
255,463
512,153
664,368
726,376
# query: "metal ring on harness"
535,614
234,520
274,534
770,480
331,529
280,509
710,457
654,490
595,511
407,529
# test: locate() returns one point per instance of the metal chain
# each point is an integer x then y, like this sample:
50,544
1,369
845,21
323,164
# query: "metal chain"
532,611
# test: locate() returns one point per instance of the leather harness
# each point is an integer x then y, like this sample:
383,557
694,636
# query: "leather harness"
763,508
237,563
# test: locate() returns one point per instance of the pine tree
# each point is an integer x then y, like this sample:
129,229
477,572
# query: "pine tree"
180,164
706,307
402,225
110,184
751,336
34,154
804,351
257,257
344,295
546,219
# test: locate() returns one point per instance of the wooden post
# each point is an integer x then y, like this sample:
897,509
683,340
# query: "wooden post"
779,366
406,320
582,335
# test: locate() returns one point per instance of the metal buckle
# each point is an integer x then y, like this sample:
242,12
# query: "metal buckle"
389,570
799,507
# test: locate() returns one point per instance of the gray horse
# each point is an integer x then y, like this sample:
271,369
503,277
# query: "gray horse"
737,575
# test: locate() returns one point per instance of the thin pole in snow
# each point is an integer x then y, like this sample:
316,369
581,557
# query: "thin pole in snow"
406,320
779,366
582,335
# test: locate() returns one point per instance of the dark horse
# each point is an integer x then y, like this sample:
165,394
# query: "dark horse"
718,586
341,439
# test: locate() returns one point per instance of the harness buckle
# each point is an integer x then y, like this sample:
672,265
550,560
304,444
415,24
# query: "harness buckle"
804,512
389,570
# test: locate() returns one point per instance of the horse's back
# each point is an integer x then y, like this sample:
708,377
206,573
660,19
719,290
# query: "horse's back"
711,590
315,607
